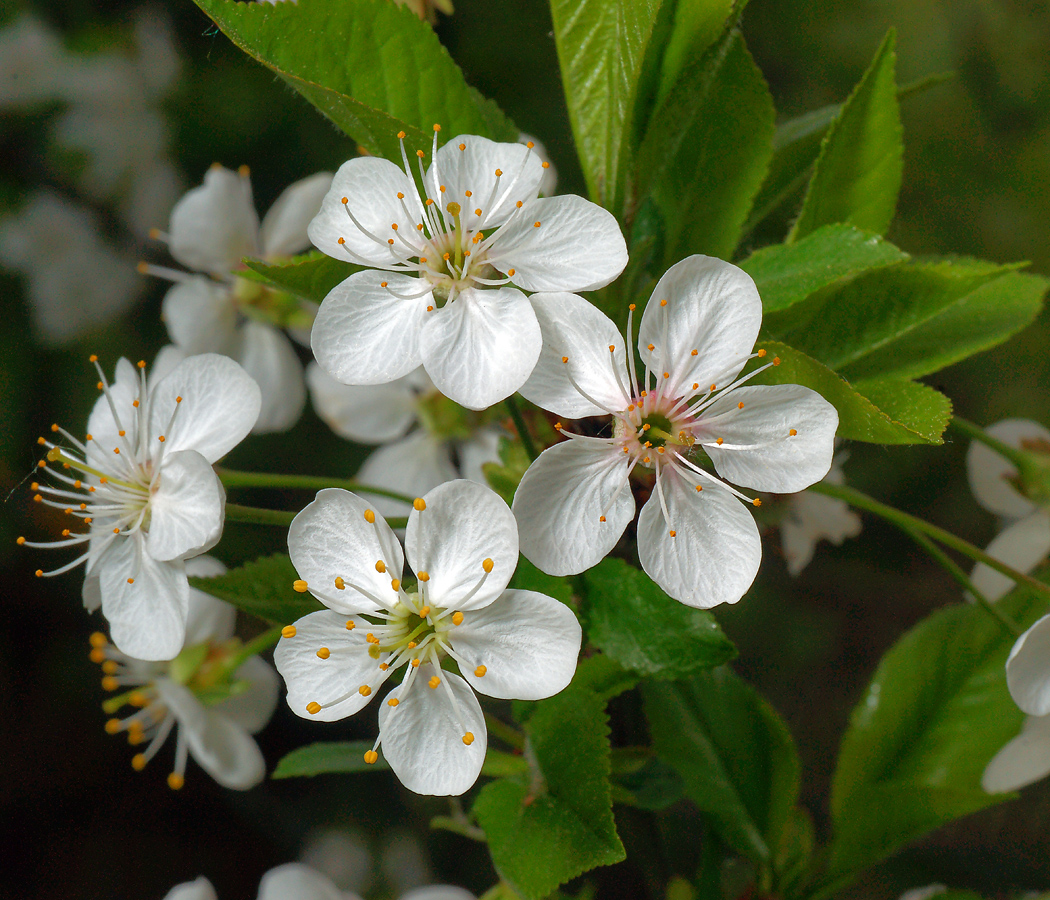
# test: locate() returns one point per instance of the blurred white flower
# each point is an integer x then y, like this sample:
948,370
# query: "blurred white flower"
549,182
31,63
811,518
76,279
215,700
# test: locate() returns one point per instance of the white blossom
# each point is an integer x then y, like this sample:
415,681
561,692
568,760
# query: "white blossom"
437,289
811,518
215,704
462,543
143,483
212,228
695,538
427,440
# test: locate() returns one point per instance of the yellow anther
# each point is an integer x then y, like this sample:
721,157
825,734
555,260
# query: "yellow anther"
383,283
131,581
380,566
412,645
510,272
288,631
400,135
113,726
480,671
740,405
672,533
499,172
370,757
93,358
384,666
518,204
423,576
341,241
487,564
393,701
454,209
646,426
98,639
110,666
565,359
300,586
468,739
364,690
350,625
138,762
176,781
612,348
323,653
667,374
138,699
699,488
371,638
651,347
415,663
340,585
437,127
601,518
370,517
719,442
178,399
109,683
462,146
419,504
457,618
714,387
243,171
776,360
663,303
693,352
545,164
424,611
535,224
420,154
792,433
756,502
98,655
313,707
631,307
396,584
761,354
434,682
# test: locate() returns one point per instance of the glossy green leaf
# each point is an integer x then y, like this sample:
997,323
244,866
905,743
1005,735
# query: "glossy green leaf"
936,712
638,626
310,276
696,25
262,588
914,413
786,274
601,48
858,173
548,828
705,191
326,758
911,320
370,66
733,753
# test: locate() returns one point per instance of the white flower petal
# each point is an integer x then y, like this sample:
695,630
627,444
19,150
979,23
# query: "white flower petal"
423,735
371,186
311,679
811,518
549,183
576,247
527,641
186,509
253,708
989,473
270,359
474,169
712,307
463,524
215,225
331,539
201,316
294,881
715,553
224,750
147,618
220,403
760,451
438,892
571,327
474,454
1022,546
283,231
371,414
123,391
207,618
167,358
363,334
1022,761
1028,669
560,502
411,467
480,348
201,889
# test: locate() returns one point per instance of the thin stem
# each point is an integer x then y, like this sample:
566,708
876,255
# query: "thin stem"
1018,457
908,522
256,645
523,430
510,736
948,564
234,479
253,515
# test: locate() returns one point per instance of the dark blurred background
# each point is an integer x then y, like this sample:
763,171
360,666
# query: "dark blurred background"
78,822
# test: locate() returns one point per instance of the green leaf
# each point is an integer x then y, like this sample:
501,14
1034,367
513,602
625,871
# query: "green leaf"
310,276
262,588
705,191
697,24
858,173
638,626
328,757
601,48
559,824
788,273
911,319
370,66
936,712
654,787
733,752
914,413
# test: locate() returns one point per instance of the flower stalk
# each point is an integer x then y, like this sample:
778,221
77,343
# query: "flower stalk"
235,479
